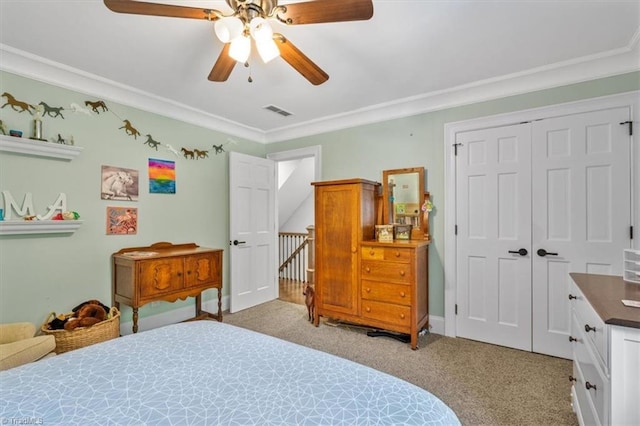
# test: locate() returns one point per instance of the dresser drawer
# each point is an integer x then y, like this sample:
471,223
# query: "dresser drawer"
593,380
386,292
387,271
387,253
387,312
585,410
588,319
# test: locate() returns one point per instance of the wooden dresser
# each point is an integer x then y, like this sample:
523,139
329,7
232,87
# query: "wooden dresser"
167,272
394,286
359,280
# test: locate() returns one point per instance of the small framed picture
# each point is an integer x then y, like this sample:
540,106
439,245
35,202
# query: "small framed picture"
122,221
119,184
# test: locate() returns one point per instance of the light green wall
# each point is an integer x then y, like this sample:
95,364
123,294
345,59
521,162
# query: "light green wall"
40,274
416,141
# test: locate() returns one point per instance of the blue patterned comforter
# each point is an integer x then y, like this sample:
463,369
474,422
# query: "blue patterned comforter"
206,372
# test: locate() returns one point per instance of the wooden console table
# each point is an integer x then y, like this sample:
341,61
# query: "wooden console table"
168,272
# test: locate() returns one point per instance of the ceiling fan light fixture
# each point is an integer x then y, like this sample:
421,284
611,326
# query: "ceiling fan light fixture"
228,28
268,49
240,48
260,29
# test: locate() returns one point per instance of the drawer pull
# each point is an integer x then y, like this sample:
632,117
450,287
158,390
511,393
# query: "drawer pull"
368,290
397,254
367,269
402,273
371,252
368,309
572,379
590,386
402,316
572,339
588,328
179,274
402,294
571,296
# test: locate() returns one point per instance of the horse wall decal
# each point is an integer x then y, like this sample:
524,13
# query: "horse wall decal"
201,154
187,153
77,108
152,143
52,111
131,131
95,105
17,105
219,149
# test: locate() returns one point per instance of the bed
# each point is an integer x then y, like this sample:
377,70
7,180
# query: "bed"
206,372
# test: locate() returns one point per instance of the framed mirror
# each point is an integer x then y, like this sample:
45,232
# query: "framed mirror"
403,195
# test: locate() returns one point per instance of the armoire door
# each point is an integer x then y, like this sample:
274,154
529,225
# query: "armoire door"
558,188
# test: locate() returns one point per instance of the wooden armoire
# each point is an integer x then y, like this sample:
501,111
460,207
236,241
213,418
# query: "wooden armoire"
357,279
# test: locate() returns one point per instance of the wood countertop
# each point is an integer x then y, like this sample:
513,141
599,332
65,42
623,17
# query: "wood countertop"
605,293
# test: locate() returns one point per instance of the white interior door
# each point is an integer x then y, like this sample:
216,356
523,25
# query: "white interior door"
493,201
582,212
575,205
252,234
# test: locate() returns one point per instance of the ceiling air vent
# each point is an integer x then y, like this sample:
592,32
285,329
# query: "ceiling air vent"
278,110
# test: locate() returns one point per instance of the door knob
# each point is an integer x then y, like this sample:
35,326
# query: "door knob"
543,253
521,252
236,242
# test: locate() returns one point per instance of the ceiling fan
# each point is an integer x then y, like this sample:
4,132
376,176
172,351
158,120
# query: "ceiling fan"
250,21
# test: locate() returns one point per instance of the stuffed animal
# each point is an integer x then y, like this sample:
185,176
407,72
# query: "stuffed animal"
87,314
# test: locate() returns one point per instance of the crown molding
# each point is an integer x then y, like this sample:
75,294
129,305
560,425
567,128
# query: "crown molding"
37,68
606,64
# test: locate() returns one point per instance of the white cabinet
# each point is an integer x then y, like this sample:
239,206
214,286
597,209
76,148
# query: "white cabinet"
605,336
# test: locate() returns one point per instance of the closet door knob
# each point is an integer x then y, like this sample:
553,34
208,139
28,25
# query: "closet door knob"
572,339
543,253
588,328
571,296
590,386
572,379
521,252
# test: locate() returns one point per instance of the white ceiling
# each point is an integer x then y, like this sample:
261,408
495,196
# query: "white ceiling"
411,55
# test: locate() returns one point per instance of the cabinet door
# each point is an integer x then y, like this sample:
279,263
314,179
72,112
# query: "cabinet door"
337,225
202,269
160,276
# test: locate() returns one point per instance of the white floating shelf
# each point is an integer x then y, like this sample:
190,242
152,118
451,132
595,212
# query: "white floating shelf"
39,148
22,227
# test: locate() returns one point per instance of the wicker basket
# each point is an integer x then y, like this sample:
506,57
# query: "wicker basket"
84,336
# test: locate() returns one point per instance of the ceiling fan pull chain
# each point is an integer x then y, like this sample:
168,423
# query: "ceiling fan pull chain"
246,64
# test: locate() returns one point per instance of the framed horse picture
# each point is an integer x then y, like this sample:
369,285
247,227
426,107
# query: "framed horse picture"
119,184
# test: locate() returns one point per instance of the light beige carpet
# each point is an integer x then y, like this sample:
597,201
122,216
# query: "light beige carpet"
484,384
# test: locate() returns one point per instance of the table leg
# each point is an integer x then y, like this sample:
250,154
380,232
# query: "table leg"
199,304
220,304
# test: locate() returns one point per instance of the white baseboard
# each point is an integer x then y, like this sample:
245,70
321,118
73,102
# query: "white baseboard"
436,325
171,317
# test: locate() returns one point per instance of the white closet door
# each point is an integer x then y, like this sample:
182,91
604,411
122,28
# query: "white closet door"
493,204
581,212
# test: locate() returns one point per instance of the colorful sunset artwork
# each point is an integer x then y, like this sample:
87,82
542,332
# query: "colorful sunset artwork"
162,176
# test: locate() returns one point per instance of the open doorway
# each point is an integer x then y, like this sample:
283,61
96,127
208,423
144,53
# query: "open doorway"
295,170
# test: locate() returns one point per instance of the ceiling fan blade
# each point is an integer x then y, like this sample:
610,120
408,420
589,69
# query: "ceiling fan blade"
320,11
158,9
223,66
300,61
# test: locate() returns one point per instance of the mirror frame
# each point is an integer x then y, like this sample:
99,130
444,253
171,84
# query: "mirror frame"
387,212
